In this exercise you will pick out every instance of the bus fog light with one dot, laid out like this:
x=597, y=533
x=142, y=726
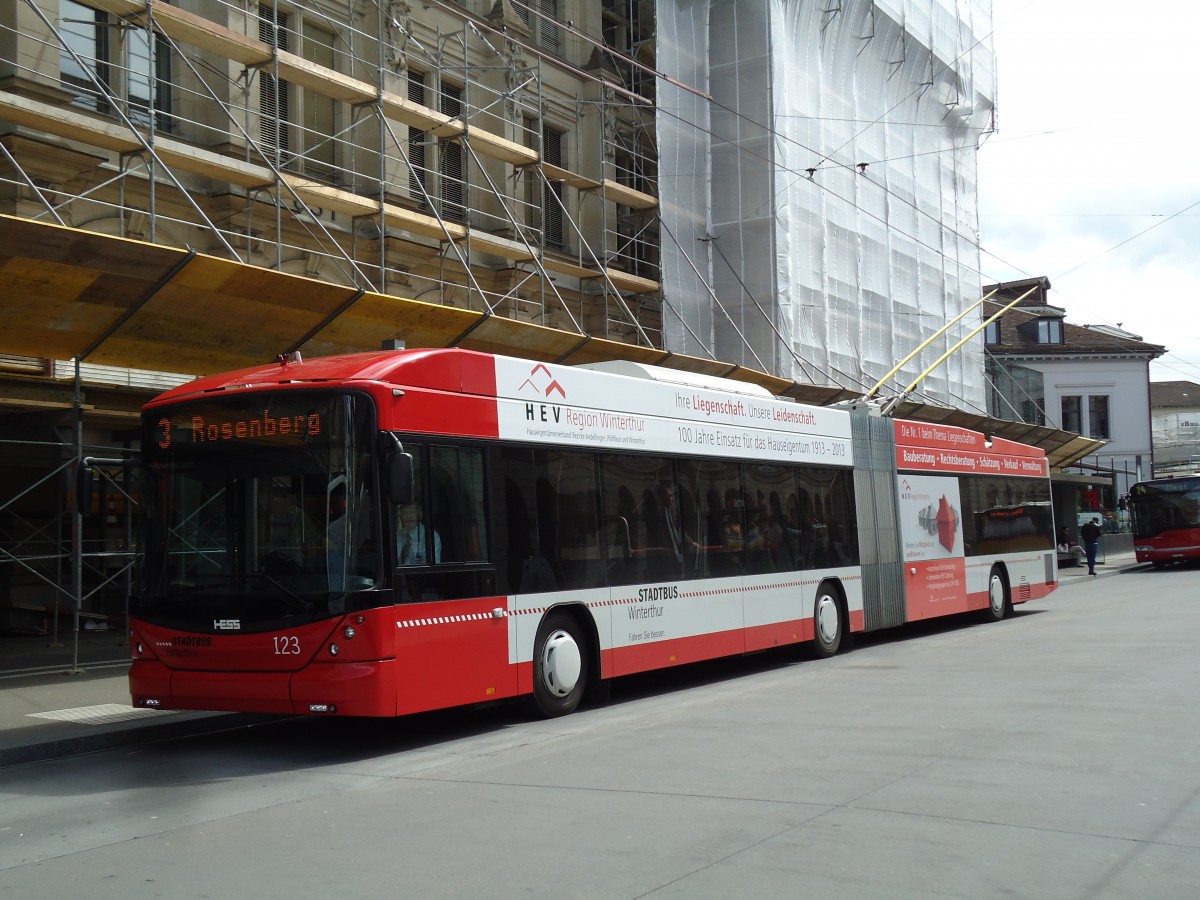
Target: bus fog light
x=151, y=703
x=349, y=632
x=334, y=650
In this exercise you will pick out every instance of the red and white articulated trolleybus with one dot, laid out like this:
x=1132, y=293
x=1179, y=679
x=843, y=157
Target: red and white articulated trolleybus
x=385, y=533
x=1166, y=519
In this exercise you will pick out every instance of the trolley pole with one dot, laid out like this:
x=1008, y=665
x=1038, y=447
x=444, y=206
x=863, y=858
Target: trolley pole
x=77, y=523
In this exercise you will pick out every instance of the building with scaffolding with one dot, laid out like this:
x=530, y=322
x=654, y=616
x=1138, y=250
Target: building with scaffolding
x=776, y=190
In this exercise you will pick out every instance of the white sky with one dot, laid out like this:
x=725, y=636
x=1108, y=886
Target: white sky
x=1097, y=140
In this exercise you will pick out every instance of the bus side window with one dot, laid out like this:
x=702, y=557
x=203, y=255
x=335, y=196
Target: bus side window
x=458, y=503
x=567, y=503
x=415, y=542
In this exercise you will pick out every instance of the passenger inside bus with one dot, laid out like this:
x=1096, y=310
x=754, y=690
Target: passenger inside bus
x=414, y=541
x=666, y=539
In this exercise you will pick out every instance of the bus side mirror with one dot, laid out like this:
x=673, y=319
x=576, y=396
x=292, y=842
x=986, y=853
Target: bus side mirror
x=397, y=469
x=400, y=477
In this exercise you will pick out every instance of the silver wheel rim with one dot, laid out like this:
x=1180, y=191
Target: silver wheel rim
x=996, y=594
x=828, y=617
x=562, y=663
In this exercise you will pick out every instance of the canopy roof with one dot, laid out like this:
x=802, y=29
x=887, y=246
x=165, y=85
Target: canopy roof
x=66, y=293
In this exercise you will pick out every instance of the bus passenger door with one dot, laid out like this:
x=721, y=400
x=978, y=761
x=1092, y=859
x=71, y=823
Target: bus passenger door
x=452, y=645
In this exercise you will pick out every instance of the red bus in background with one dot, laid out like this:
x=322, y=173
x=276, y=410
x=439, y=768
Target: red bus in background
x=1166, y=519
x=385, y=533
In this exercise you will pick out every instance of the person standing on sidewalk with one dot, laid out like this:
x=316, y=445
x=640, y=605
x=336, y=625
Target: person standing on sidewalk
x=1090, y=533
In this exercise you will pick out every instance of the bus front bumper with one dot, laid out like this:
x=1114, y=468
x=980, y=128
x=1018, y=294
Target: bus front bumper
x=350, y=689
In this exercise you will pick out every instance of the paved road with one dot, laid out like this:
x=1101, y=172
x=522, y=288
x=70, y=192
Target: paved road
x=1051, y=756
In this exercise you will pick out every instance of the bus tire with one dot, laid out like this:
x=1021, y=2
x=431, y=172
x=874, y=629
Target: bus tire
x=999, y=602
x=829, y=620
x=560, y=665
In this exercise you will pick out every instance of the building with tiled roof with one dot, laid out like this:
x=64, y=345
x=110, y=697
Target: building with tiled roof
x=1093, y=380
x=1175, y=421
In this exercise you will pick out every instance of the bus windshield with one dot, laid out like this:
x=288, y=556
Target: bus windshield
x=259, y=510
x=1161, y=506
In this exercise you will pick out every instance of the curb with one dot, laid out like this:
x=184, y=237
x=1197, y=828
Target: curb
x=1084, y=578
x=78, y=743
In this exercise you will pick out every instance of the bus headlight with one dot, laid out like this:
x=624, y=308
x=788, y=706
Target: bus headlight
x=334, y=650
x=349, y=632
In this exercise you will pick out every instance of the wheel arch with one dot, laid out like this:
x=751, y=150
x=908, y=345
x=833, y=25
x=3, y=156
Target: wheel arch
x=591, y=633
x=833, y=587
x=1000, y=568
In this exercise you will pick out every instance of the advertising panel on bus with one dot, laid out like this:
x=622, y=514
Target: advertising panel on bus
x=924, y=446
x=931, y=536
x=563, y=404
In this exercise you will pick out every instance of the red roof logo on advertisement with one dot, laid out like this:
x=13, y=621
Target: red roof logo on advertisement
x=543, y=382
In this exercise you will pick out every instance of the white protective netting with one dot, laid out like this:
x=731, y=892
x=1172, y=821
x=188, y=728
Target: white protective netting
x=833, y=278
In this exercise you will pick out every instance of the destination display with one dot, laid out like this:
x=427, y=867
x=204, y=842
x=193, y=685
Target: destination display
x=277, y=419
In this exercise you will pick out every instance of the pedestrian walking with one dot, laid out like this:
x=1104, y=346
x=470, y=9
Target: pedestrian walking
x=1090, y=533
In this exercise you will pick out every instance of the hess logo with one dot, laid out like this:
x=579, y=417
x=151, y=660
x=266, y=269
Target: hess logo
x=227, y=624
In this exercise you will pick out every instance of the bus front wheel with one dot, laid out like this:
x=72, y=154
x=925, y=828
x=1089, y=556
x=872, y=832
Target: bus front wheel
x=998, y=603
x=829, y=622
x=559, y=666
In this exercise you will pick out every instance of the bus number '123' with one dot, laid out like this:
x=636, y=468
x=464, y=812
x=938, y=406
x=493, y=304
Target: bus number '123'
x=287, y=645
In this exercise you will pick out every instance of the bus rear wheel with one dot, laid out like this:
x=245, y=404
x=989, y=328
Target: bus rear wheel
x=829, y=623
x=559, y=666
x=998, y=603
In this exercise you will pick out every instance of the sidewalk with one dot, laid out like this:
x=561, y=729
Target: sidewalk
x=52, y=714
x=1114, y=564
x=61, y=699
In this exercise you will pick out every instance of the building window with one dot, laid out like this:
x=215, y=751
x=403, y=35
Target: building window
x=284, y=108
x=991, y=333
x=148, y=75
x=1072, y=414
x=418, y=185
x=1049, y=331
x=542, y=18
x=274, y=109
x=317, y=110
x=101, y=62
x=1018, y=392
x=1098, y=417
x=451, y=168
x=554, y=153
x=545, y=206
x=85, y=31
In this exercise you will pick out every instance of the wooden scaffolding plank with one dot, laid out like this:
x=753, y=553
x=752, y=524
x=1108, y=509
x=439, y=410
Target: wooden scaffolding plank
x=633, y=283
x=496, y=147
x=415, y=115
x=557, y=173
x=419, y=223
x=217, y=166
x=66, y=123
x=192, y=29
x=627, y=196
x=299, y=70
